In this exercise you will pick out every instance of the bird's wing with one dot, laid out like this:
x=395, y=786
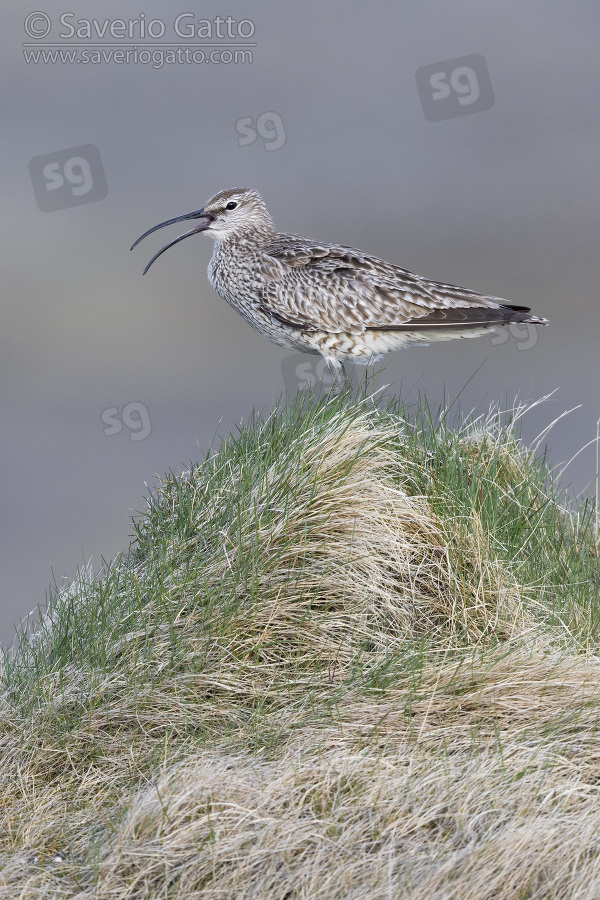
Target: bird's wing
x=339, y=289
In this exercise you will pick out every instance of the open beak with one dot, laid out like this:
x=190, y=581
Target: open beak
x=198, y=214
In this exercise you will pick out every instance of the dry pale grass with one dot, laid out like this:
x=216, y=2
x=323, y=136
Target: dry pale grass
x=338, y=824
x=352, y=556
x=325, y=691
x=487, y=787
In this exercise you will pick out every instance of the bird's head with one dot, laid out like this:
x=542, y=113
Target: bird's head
x=229, y=214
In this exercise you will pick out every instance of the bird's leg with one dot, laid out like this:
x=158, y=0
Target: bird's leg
x=338, y=372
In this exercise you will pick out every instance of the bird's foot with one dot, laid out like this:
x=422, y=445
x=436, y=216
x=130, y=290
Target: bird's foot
x=341, y=382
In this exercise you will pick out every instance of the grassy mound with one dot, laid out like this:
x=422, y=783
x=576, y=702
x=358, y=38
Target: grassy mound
x=353, y=653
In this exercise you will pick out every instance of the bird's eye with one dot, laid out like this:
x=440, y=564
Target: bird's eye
x=231, y=205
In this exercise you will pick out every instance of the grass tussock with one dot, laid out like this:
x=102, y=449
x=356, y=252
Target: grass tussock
x=352, y=653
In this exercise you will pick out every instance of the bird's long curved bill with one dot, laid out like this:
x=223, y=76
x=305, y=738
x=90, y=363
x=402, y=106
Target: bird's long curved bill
x=197, y=214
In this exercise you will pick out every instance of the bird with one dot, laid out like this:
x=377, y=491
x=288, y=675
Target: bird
x=329, y=299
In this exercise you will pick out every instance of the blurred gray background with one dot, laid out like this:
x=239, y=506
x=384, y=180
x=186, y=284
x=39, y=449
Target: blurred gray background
x=109, y=379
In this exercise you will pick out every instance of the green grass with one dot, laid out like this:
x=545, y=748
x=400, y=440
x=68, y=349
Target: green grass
x=352, y=652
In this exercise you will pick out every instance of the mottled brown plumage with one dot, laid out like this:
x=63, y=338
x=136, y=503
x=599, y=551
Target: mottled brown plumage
x=326, y=298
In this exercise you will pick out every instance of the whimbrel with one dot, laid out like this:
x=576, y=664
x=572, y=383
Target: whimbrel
x=326, y=298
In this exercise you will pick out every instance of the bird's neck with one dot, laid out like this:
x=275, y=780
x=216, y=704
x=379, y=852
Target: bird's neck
x=250, y=239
